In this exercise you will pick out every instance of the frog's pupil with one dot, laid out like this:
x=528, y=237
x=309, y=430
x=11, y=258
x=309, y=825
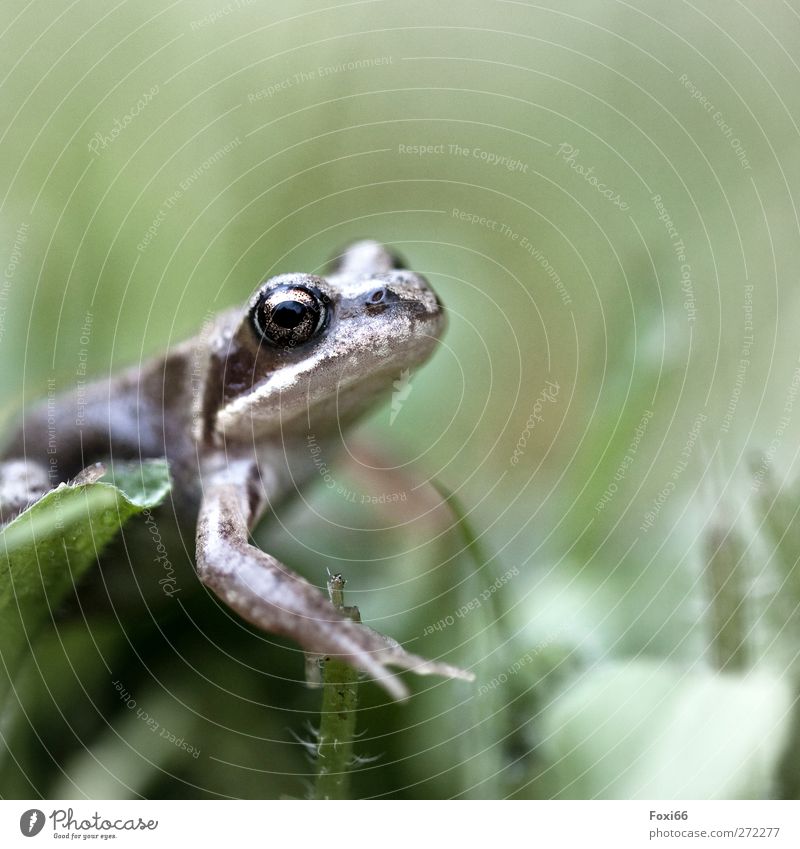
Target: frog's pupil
x=288, y=314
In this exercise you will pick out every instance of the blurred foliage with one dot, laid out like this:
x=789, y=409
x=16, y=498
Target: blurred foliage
x=648, y=644
x=45, y=550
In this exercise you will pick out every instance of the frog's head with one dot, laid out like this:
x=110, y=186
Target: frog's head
x=315, y=352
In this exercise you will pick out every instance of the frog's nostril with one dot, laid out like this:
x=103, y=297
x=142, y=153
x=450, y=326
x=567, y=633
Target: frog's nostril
x=380, y=298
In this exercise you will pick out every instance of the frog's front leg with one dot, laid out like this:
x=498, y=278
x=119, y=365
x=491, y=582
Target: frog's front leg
x=264, y=592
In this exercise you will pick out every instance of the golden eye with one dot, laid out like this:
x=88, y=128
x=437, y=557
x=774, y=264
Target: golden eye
x=289, y=315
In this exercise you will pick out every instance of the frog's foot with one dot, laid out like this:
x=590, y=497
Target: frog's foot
x=388, y=652
x=22, y=482
x=266, y=593
x=91, y=474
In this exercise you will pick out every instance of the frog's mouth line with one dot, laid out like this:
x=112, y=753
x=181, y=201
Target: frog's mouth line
x=378, y=328
x=335, y=388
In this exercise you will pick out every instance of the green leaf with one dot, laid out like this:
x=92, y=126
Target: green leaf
x=46, y=549
x=648, y=730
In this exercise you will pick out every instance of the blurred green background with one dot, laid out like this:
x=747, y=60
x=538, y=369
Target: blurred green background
x=605, y=200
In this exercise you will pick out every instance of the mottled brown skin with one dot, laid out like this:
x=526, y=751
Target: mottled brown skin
x=232, y=410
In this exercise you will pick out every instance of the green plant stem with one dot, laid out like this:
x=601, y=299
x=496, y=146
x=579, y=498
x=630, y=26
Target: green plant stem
x=338, y=719
x=726, y=566
x=482, y=761
x=474, y=549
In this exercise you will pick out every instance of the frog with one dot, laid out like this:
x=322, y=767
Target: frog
x=232, y=410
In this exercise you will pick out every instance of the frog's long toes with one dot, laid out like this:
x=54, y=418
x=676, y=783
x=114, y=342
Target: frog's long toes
x=334, y=636
x=421, y=666
x=396, y=655
x=375, y=653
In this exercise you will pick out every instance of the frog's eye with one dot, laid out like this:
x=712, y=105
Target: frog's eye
x=289, y=315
